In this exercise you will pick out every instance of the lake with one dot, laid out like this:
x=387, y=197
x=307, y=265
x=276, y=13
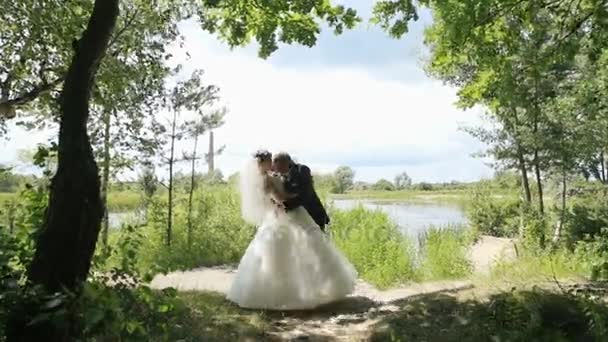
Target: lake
x=412, y=218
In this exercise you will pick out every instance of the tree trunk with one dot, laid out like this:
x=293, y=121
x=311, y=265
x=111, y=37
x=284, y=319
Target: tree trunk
x=105, y=179
x=66, y=242
x=539, y=183
x=171, y=162
x=603, y=168
x=524, y=175
x=191, y=194
x=211, y=156
x=67, y=239
x=559, y=227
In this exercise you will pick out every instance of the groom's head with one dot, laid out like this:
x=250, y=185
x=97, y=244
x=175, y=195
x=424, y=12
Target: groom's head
x=281, y=162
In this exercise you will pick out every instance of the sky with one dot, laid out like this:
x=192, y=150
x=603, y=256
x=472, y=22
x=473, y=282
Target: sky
x=361, y=99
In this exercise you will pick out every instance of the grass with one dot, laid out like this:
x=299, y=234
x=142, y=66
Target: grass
x=381, y=254
x=530, y=268
x=121, y=201
x=210, y=317
x=385, y=257
x=449, y=196
x=444, y=254
x=7, y=196
x=118, y=201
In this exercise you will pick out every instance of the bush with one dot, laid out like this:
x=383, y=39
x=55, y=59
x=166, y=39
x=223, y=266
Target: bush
x=444, y=254
x=423, y=186
x=379, y=251
x=384, y=185
x=593, y=254
x=586, y=218
x=493, y=216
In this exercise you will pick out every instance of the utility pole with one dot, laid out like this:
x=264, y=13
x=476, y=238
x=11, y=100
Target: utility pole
x=211, y=155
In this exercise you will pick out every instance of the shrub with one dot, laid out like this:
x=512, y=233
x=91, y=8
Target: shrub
x=593, y=254
x=384, y=185
x=586, y=218
x=423, y=186
x=493, y=216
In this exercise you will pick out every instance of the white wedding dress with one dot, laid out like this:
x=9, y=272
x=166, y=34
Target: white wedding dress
x=290, y=264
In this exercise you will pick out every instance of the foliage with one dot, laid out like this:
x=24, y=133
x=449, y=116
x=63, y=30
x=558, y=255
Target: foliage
x=537, y=68
x=379, y=251
x=424, y=186
x=343, y=179
x=383, y=185
x=148, y=182
x=11, y=182
x=324, y=182
x=593, y=254
x=220, y=236
x=403, y=181
x=586, y=217
x=493, y=216
x=271, y=23
x=444, y=253
x=43, y=54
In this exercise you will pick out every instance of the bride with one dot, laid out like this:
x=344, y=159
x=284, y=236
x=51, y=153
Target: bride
x=289, y=265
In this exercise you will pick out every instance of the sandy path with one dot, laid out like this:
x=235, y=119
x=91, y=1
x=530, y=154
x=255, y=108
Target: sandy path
x=489, y=250
x=349, y=320
x=482, y=255
x=219, y=279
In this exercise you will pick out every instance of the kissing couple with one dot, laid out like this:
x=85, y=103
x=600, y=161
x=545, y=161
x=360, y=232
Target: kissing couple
x=290, y=264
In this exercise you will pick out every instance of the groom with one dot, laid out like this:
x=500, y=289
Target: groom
x=298, y=180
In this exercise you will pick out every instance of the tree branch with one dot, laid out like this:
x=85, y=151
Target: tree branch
x=577, y=25
x=32, y=94
x=128, y=24
x=45, y=86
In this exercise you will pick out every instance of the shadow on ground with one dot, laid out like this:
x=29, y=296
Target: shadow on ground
x=574, y=313
x=566, y=314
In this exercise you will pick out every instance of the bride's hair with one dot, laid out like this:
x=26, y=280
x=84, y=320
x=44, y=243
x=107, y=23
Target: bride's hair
x=262, y=156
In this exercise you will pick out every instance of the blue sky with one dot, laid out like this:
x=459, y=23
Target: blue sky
x=360, y=99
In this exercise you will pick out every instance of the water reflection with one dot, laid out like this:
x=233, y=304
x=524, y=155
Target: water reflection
x=412, y=218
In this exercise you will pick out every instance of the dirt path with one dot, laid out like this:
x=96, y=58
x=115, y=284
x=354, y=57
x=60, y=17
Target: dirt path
x=489, y=250
x=351, y=319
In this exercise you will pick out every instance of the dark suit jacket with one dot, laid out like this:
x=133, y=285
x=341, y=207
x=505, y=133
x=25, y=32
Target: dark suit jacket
x=299, y=182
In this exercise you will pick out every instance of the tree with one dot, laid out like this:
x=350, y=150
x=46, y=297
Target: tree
x=200, y=100
x=67, y=239
x=384, y=185
x=148, y=182
x=36, y=51
x=128, y=81
x=403, y=181
x=344, y=178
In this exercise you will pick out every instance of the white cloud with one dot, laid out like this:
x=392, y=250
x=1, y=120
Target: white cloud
x=327, y=116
